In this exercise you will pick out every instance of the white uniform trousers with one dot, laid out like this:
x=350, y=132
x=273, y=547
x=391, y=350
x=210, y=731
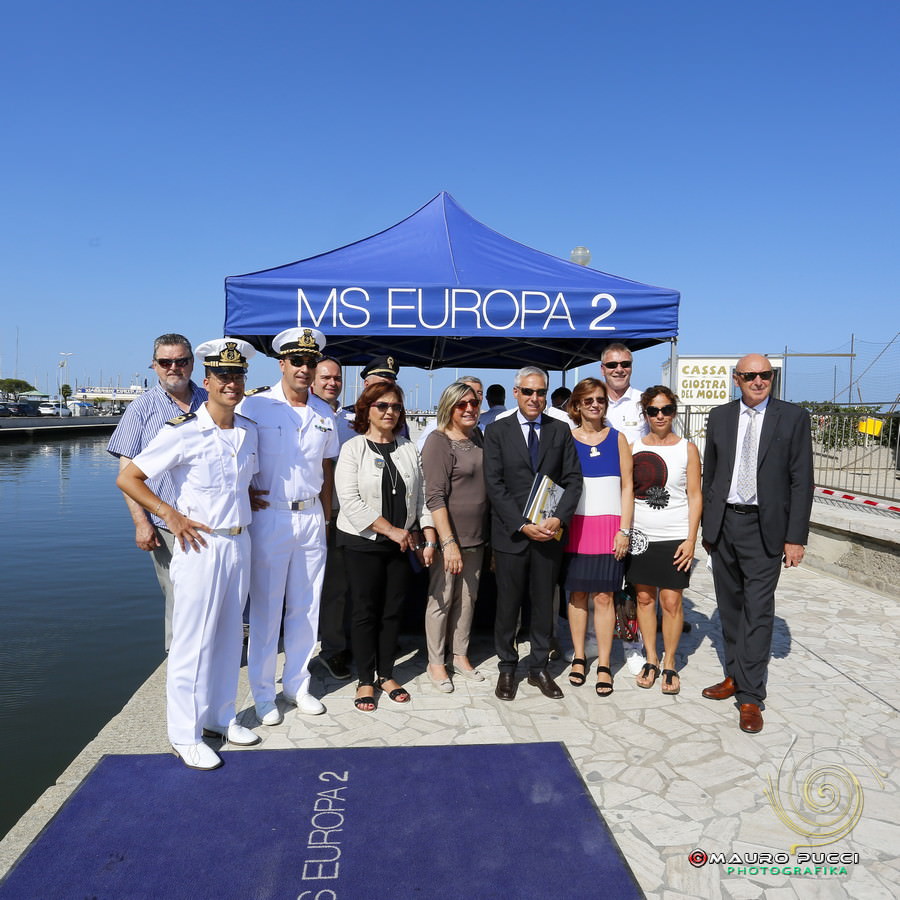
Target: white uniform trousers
x=207, y=635
x=287, y=572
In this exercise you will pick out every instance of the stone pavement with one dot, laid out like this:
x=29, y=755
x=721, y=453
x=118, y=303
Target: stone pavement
x=671, y=775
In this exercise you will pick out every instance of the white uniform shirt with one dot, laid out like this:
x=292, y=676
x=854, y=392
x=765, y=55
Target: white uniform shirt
x=293, y=442
x=627, y=415
x=211, y=468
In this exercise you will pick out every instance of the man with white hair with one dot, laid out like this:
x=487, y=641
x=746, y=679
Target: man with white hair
x=298, y=441
x=527, y=555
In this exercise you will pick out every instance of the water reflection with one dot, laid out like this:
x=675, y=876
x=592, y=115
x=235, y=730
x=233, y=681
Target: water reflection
x=81, y=610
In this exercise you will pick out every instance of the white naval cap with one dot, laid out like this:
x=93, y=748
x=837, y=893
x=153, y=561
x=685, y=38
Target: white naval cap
x=225, y=353
x=304, y=341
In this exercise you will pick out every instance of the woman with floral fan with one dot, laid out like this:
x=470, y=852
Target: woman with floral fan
x=667, y=507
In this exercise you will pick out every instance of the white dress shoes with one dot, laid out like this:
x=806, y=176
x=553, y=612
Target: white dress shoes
x=235, y=734
x=307, y=704
x=268, y=713
x=197, y=756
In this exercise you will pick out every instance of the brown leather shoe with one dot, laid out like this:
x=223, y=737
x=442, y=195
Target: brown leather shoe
x=506, y=686
x=721, y=691
x=751, y=718
x=549, y=688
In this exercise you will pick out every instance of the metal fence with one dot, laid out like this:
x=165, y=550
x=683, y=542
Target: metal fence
x=857, y=455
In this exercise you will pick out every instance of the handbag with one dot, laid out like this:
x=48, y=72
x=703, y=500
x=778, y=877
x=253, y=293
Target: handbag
x=625, y=602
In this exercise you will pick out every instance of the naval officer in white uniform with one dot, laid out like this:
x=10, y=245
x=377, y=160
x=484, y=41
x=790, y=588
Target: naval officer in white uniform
x=211, y=455
x=298, y=441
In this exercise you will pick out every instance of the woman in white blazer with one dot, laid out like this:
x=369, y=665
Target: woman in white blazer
x=382, y=515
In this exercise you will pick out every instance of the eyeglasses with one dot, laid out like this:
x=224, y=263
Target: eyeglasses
x=384, y=407
x=594, y=401
x=180, y=362
x=541, y=392
x=466, y=404
x=667, y=410
x=617, y=364
x=750, y=376
x=298, y=362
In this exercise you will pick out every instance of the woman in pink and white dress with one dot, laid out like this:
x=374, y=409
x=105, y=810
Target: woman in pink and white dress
x=667, y=507
x=598, y=532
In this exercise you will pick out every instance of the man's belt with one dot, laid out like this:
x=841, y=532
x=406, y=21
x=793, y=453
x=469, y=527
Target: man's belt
x=743, y=508
x=294, y=505
x=228, y=532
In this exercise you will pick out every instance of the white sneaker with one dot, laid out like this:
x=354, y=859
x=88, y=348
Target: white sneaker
x=307, y=704
x=197, y=756
x=268, y=713
x=634, y=656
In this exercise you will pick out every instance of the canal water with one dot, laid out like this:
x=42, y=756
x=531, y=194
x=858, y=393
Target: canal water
x=81, y=614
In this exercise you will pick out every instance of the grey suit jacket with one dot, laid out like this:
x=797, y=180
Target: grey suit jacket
x=508, y=476
x=784, y=478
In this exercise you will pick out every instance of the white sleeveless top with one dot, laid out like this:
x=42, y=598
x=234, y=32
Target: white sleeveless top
x=660, y=490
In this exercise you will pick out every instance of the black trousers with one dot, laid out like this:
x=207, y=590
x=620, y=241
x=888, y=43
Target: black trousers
x=378, y=582
x=745, y=577
x=333, y=605
x=526, y=581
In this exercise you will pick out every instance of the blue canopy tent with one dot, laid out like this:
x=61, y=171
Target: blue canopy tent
x=441, y=289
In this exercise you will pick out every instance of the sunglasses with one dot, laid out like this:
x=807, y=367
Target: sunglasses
x=594, y=401
x=224, y=376
x=527, y=392
x=617, y=364
x=466, y=404
x=667, y=410
x=298, y=362
x=382, y=406
x=750, y=376
x=180, y=362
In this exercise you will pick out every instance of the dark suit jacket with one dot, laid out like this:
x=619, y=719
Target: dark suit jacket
x=784, y=479
x=508, y=476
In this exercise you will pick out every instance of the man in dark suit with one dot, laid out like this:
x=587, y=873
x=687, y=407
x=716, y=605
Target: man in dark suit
x=527, y=556
x=757, y=497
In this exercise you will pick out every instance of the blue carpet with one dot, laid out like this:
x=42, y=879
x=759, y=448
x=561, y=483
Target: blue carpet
x=499, y=821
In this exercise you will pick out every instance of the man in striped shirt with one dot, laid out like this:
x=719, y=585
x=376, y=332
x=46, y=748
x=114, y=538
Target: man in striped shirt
x=174, y=395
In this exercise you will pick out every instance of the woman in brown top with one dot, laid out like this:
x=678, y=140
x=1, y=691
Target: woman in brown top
x=456, y=498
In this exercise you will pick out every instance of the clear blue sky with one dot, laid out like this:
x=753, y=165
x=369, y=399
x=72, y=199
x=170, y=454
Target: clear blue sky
x=744, y=154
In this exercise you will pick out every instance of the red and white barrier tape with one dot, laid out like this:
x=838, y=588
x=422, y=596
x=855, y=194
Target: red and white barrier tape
x=864, y=501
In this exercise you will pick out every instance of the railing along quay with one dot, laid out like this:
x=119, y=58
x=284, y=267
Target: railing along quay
x=851, y=453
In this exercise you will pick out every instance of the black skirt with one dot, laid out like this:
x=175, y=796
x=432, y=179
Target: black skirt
x=655, y=567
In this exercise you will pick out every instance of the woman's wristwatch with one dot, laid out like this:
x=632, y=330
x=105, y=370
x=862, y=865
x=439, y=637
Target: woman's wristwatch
x=432, y=544
x=625, y=531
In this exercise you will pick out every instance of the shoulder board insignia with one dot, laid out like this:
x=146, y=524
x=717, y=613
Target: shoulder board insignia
x=257, y=390
x=179, y=420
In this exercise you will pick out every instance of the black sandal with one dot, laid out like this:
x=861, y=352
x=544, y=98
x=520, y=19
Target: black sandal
x=604, y=684
x=365, y=704
x=577, y=679
x=645, y=673
x=667, y=676
x=398, y=694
